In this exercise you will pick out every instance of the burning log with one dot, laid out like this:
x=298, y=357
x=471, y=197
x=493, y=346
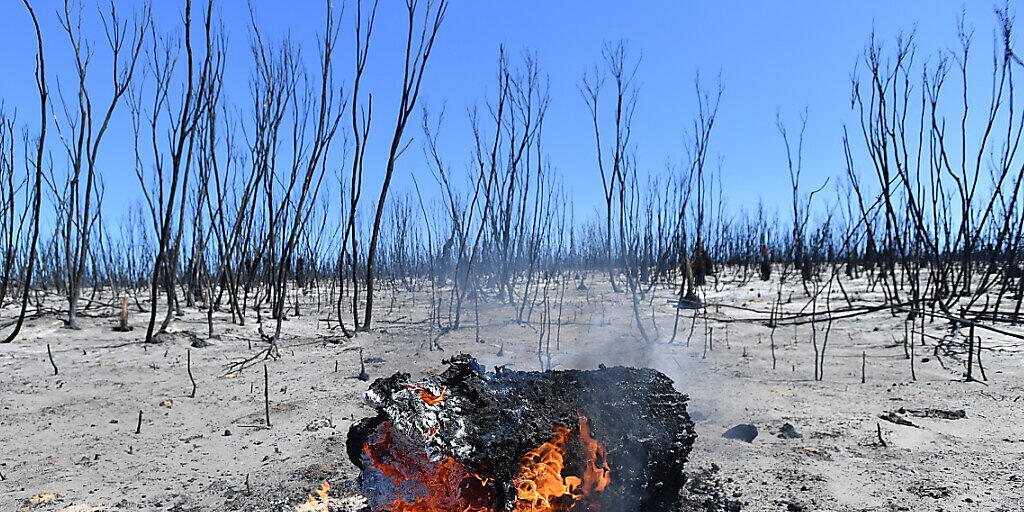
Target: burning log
x=610, y=439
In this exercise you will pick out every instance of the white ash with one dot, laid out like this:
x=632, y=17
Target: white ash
x=440, y=427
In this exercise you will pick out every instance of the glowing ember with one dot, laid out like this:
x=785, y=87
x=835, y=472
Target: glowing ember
x=444, y=486
x=429, y=397
x=321, y=503
x=542, y=484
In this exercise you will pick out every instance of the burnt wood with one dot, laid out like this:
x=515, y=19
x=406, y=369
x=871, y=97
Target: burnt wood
x=634, y=413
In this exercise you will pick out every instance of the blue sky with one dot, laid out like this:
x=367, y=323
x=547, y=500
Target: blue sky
x=772, y=56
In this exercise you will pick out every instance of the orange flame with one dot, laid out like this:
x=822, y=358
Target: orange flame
x=429, y=397
x=540, y=485
x=322, y=503
x=540, y=479
x=596, y=473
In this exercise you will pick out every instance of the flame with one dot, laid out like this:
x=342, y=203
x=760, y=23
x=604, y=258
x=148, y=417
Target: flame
x=540, y=479
x=596, y=473
x=322, y=503
x=432, y=399
x=546, y=481
x=429, y=397
x=540, y=485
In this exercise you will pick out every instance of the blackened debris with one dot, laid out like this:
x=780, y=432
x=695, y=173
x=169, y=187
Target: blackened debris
x=743, y=431
x=788, y=432
x=941, y=414
x=893, y=417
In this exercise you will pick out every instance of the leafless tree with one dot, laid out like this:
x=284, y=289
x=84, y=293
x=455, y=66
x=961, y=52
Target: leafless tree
x=420, y=37
x=172, y=130
x=37, y=170
x=81, y=130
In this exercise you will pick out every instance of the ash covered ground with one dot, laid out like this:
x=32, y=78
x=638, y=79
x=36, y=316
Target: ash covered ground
x=892, y=443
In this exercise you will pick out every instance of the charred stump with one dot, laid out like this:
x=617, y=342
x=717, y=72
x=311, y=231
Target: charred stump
x=611, y=439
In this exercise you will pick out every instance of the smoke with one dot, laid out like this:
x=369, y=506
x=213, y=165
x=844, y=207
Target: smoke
x=593, y=325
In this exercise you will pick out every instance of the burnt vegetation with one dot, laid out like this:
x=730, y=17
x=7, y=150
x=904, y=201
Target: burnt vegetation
x=252, y=209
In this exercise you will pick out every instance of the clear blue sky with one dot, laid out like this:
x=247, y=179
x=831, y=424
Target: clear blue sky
x=772, y=55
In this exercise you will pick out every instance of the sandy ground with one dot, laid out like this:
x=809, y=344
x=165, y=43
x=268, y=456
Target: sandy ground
x=69, y=440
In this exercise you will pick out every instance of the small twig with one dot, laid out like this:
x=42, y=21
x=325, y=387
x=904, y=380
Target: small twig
x=970, y=354
x=880, y=439
x=238, y=366
x=981, y=366
x=138, y=429
x=913, y=374
x=190, y=377
x=863, y=366
x=49, y=353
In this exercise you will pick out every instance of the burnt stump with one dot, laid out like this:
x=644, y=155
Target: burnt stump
x=459, y=440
